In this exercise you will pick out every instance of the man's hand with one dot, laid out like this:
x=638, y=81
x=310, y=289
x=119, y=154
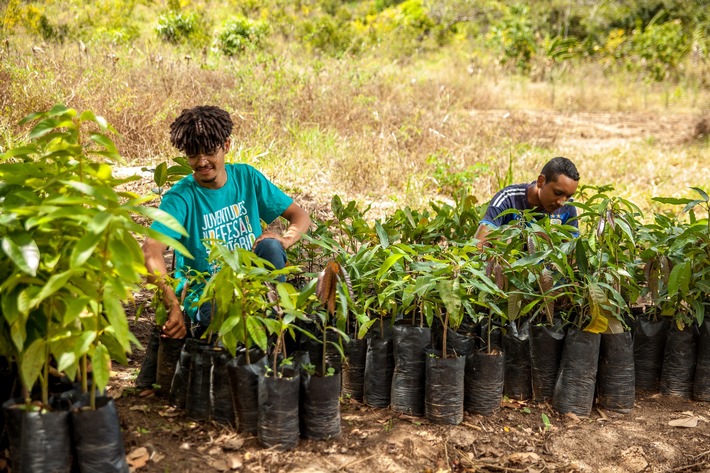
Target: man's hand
x=273, y=235
x=175, y=325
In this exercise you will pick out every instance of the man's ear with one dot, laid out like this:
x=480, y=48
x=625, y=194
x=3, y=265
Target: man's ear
x=227, y=145
x=540, y=181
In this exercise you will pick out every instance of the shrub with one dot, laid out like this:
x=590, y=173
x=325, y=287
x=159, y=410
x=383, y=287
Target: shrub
x=240, y=33
x=514, y=37
x=328, y=35
x=177, y=27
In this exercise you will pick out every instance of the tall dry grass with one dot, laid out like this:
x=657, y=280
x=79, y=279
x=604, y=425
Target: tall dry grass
x=370, y=128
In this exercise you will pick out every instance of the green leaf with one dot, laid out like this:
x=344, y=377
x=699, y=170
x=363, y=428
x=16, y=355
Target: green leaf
x=104, y=141
x=83, y=249
x=160, y=175
x=101, y=367
x=382, y=235
x=256, y=332
x=23, y=251
x=163, y=217
x=61, y=109
x=117, y=319
x=99, y=223
x=389, y=262
x=32, y=361
x=679, y=279
x=53, y=284
x=42, y=128
x=170, y=242
x=671, y=200
x=702, y=193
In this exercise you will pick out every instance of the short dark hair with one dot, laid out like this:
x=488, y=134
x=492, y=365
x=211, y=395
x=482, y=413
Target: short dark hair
x=557, y=166
x=202, y=129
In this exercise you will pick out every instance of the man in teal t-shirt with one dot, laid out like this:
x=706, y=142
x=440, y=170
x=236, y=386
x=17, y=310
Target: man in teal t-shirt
x=218, y=201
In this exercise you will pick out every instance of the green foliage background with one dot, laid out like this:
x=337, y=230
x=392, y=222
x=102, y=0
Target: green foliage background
x=370, y=99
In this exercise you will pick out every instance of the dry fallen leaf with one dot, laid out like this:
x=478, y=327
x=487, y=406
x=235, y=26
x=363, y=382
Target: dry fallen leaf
x=573, y=417
x=686, y=422
x=234, y=462
x=219, y=465
x=138, y=457
x=524, y=457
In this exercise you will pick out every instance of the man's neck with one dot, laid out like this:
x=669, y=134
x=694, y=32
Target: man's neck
x=532, y=195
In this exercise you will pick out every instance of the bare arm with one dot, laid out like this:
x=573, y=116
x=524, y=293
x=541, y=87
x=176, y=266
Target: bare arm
x=482, y=235
x=299, y=222
x=153, y=252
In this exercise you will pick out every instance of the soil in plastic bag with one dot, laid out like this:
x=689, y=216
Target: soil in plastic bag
x=546, y=346
x=701, y=382
x=244, y=381
x=379, y=367
x=483, y=382
x=577, y=377
x=649, y=346
x=147, y=376
x=410, y=343
x=197, y=403
x=444, y=389
x=97, y=437
x=616, y=386
x=168, y=358
x=220, y=390
x=181, y=379
x=320, y=406
x=39, y=441
x=354, y=368
x=678, y=368
x=278, y=424
x=516, y=345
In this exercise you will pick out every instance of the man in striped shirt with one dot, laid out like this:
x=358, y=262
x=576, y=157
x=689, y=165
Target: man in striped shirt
x=549, y=195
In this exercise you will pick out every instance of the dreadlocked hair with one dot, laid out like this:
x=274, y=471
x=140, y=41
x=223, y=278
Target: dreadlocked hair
x=201, y=129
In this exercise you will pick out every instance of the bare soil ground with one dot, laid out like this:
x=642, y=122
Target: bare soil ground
x=513, y=440
x=516, y=439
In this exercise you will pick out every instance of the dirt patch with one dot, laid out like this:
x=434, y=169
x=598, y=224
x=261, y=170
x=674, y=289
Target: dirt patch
x=514, y=439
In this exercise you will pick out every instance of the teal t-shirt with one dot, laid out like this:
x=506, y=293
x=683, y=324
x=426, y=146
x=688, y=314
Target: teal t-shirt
x=231, y=214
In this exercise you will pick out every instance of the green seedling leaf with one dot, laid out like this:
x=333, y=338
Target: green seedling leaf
x=160, y=175
x=101, y=366
x=54, y=284
x=389, y=262
x=546, y=421
x=23, y=251
x=32, y=361
x=702, y=193
x=117, y=319
x=83, y=250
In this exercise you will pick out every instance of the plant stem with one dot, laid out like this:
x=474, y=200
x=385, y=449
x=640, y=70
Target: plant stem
x=325, y=348
x=443, y=338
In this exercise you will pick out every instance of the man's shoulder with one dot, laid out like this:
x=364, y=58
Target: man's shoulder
x=186, y=184
x=513, y=195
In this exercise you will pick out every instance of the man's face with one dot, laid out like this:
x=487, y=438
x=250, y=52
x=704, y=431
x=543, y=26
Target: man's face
x=208, y=169
x=555, y=194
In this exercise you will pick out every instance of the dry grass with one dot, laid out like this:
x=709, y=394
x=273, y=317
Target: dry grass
x=364, y=127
